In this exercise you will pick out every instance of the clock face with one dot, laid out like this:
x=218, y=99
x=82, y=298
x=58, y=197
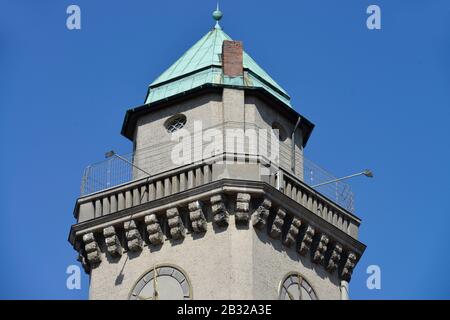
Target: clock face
x=169, y=284
x=295, y=287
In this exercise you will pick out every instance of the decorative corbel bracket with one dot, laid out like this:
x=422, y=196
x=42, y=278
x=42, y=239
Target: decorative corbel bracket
x=134, y=238
x=197, y=217
x=155, y=234
x=220, y=214
x=177, y=230
x=112, y=242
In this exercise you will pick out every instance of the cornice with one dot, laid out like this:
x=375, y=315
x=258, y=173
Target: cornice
x=250, y=202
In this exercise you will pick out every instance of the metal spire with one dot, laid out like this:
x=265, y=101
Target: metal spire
x=217, y=15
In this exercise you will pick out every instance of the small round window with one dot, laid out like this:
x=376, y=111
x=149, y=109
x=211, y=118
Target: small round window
x=176, y=123
x=279, y=131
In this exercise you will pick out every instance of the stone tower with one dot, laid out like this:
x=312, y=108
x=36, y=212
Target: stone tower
x=215, y=206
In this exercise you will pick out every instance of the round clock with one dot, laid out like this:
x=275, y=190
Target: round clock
x=162, y=283
x=295, y=287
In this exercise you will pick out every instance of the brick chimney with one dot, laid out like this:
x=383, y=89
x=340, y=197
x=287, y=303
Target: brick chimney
x=232, y=58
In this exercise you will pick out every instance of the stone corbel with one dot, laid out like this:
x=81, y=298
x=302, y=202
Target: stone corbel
x=155, y=234
x=275, y=230
x=92, y=249
x=112, y=242
x=292, y=234
x=347, y=268
x=84, y=263
x=197, y=217
x=79, y=247
x=334, y=258
x=134, y=238
x=307, y=239
x=259, y=217
x=242, y=215
x=176, y=226
x=319, y=253
x=220, y=214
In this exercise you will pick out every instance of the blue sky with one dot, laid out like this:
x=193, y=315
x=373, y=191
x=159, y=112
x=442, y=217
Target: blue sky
x=379, y=99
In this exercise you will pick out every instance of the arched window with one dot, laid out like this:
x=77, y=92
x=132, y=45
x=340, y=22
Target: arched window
x=295, y=287
x=162, y=282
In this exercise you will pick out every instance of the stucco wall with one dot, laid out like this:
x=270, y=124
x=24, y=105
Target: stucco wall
x=263, y=115
x=231, y=263
x=231, y=110
x=154, y=143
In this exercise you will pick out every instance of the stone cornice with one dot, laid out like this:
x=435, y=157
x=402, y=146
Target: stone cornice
x=311, y=234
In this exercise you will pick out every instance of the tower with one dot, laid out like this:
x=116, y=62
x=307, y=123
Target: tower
x=213, y=203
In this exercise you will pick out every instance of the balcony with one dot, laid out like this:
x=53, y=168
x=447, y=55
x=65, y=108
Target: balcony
x=114, y=185
x=114, y=172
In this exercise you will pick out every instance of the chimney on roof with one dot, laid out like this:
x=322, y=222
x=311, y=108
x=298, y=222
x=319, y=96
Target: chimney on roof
x=232, y=58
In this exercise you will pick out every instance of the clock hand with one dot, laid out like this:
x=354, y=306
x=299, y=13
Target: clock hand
x=299, y=286
x=155, y=284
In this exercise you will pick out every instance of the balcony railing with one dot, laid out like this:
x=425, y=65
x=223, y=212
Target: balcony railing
x=114, y=172
x=106, y=174
x=339, y=192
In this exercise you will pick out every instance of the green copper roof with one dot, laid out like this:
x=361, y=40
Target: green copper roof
x=202, y=65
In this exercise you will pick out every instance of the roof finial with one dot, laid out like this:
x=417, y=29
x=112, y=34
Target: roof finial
x=217, y=15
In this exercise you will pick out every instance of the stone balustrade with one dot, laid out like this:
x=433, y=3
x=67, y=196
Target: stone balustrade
x=187, y=178
x=141, y=191
x=293, y=215
x=318, y=204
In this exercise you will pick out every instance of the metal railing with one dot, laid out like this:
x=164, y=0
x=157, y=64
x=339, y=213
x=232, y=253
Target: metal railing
x=114, y=171
x=339, y=192
x=106, y=174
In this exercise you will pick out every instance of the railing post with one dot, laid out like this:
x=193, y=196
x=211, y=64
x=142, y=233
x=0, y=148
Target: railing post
x=84, y=180
x=280, y=180
x=108, y=173
x=337, y=193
